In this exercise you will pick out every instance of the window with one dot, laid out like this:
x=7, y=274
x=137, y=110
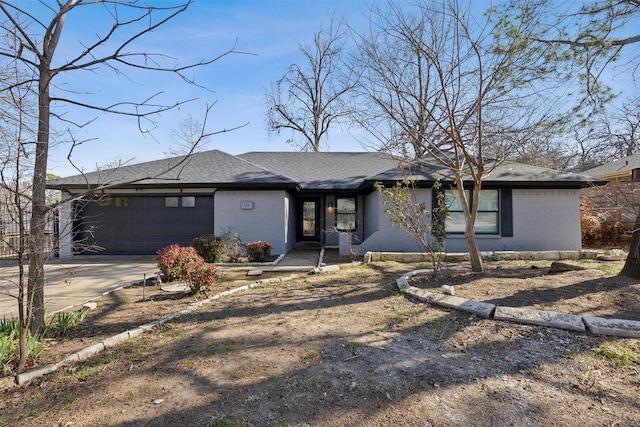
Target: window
x=345, y=213
x=104, y=201
x=188, y=202
x=487, y=221
x=171, y=202
x=122, y=202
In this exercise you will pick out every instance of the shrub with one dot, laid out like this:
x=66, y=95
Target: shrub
x=209, y=247
x=200, y=276
x=173, y=259
x=259, y=251
x=232, y=247
x=600, y=227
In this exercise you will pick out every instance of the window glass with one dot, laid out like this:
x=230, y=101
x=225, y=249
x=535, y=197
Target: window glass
x=488, y=201
x=188, y=202
x=452, y=199
x=171, y=202
x=487, y=220
x=105, y=201
x=346, y=213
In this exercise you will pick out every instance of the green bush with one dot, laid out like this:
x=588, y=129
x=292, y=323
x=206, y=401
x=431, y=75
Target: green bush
x=259, y=251
x=173, y=260
x=232, y=247
x=209, y=247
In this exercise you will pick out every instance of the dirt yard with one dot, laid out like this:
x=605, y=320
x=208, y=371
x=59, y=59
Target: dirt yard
x=347, y=349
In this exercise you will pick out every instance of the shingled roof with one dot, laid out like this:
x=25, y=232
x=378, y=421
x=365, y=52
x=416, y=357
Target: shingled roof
x=324, y=170
x=207, y=168
x=514, y=175
x=305, y=171
x=619, y=169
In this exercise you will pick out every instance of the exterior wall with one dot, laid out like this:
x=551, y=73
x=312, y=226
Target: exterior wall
x=290, y=221
x=269, y=218
x=380, y=234
x=65, y=220
x=328, y=217
x=543, y=220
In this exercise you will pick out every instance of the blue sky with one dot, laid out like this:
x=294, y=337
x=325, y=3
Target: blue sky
x=270, y=30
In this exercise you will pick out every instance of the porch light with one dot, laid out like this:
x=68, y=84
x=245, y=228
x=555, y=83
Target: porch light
x=330, y=208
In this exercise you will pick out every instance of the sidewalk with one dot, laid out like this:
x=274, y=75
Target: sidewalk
x=75, y=281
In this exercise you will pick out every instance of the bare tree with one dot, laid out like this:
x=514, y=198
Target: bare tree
x=35, y=37
x=308, y=98
x=187, y=136
x=438, y=84
x=621, y=135
x=16, y=129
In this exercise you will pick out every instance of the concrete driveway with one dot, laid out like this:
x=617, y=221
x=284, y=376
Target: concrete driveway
x=75, y=281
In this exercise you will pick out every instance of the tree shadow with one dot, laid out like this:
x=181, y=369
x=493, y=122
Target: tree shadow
x=225, y=363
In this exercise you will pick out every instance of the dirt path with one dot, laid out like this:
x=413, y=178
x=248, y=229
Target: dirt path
x=342, y=349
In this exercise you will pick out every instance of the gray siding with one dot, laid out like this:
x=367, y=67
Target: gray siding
x=266, y=220
x=543, y=220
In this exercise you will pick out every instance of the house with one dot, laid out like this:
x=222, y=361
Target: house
x=291, y=197
x=622, y=193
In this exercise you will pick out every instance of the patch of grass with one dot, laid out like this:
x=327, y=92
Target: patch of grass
x=419, y=384
x=217, y=348
x=33, y=399
x=69, y=399
x=80, y=374
x=223, y=421
x=619, y=354
x=400, y=316
x=3, y=421
x=354, y=345
x=377, y=388
x=298, y=387
x=311, y=355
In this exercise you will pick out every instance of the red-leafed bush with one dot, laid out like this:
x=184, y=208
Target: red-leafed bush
x=259, y=251
x=173, y=260
x=201, y=276
x=600, y=227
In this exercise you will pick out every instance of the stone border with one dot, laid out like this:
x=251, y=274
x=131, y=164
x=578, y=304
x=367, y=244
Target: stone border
x=551, y=319
x=114, y=340
x=486, y=255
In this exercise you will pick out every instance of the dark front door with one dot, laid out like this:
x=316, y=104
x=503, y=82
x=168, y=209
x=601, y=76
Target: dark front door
x=309, y=219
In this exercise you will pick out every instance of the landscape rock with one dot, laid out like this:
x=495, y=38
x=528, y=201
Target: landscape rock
x=612, y=255
x=562, y=267
x=540, y=317
x=616, y=327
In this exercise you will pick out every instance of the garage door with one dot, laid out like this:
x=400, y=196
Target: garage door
x=142, y=225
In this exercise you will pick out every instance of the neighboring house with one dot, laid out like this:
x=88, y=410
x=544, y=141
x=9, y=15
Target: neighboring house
x=291, y=197
x=622, y=193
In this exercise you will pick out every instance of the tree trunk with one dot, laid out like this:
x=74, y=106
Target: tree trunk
x=474, y=253
x=469, y=225
x=35, y=297
x=632, y=265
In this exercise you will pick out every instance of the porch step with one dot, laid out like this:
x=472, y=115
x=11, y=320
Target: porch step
x=254, y=272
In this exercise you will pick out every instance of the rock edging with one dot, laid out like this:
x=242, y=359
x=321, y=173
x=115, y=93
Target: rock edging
x=552, y=319
x=114, y=340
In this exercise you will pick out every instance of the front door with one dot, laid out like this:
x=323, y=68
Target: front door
x=309, y=219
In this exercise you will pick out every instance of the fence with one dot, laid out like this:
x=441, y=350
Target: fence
x=10, y=233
